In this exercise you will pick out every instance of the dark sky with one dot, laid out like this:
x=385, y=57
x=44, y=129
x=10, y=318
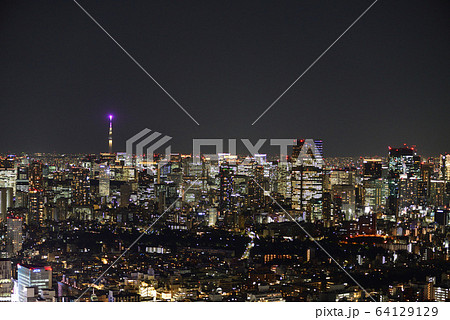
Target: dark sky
x=386, y=82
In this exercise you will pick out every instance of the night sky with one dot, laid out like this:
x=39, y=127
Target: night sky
x=386, y=82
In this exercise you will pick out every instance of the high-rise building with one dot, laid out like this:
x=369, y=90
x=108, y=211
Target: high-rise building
x=5, y=280
x=6, y=201
x=80, y=187
x=347, y=196
x=32, y=278
x=375, y=193
x=14, y=235
x=255, y=192
x=437, y=193
x=372, y=169
x=284, y=179
x=8, y=179
x=426, y=175
x=307, y=178
x=22, y=181
x=444, y=173
x=36, y=194
x=225, y=192
x=342, y=177
x=408, y=192
x=402, y=162
x=104, y=181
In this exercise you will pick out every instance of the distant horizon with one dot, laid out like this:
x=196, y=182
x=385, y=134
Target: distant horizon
x=242, y=154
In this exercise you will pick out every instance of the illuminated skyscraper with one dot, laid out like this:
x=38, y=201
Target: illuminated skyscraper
x=284, y=179
x=104, y=181
x=5, y=280
x=36, y=194
x=6, y=201
x=426, y=174
x=372, y=169
x=255, y=185
x=80, y=187
x=375, y=192
x=14, y=235
x=225, y=192
x=347, y=199
x=8, y=178
x=31, y=278
x=307, y=178
x=403, y=162
x=408, y=191
x=445, y=167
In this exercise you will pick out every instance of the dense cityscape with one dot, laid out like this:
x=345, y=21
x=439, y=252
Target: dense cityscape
x=116, y=227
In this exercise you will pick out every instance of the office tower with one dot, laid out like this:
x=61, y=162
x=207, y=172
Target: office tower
x=6, y=201
x=347, y=196
x=80, y=187
x=22, y=180
x=408, y=191
x=437, y=193
x=104, y=181
x=255, y=194
x=372, y=169
x=110, y=134
x=284, y=179
x=402, y=162
x=8, y=179
x=342, y=177
x=375, y=193
x=14, y=235
x=5, y=280
x=32, y=278
x=225, y=192
x=35, y=176
x=307, y=178
x=327, y=210
x=35, y=194
x=444, y=163
x=298, y=148
x=426, y=174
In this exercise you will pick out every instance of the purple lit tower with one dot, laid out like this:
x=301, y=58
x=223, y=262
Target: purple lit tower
x=110, y=133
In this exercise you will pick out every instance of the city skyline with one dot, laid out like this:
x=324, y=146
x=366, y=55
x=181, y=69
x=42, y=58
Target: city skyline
x=372, y=89
x=198, y=151
x=103, y=227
